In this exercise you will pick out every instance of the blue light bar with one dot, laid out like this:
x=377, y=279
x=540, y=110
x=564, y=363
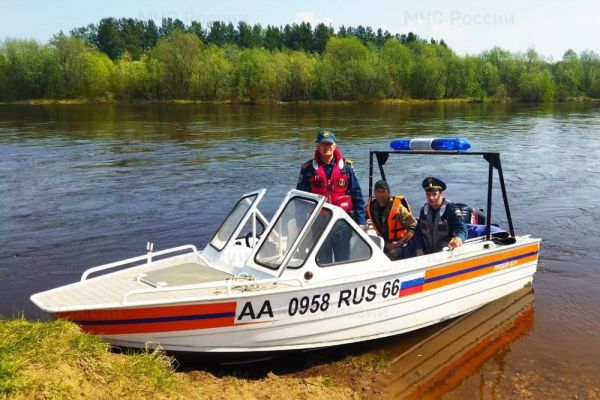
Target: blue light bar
x=431, y=144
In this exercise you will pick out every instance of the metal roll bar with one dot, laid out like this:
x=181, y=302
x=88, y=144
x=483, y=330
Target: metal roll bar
x=492, y=158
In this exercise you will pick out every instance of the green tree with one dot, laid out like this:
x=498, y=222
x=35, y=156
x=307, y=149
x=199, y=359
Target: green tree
x=567, y=74
x=278, y=77
x=302, y=75
x=197, y=29
x=153, y=85
x=252, y=73
x=509, y=68
x=230, y=34
x=4, y=88
x=83, y=71
x=131, y=79
x=321, y=36
x=305, y=36
x=483, y=79
x=590, y=77
x=29, y=70
x=257, y=35
x=428, y=79
x=537, y=87
x=71, y=56
x=374, y=84
x=150, y=36
x=170, y=25
x=215, y=75
x=398, y=62
x=178, y=60
x=87, y=33
x=245, y=38
x=379, y=39
x=290, y=37
x=97, y=69
x=457, y=78
x=272, y=38
x=114, y=37
x=132, y=36
x=217, y=34
x=109, y=38
x=343, y=71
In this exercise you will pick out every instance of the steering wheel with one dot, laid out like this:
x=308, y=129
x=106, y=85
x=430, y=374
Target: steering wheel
x=248, y=236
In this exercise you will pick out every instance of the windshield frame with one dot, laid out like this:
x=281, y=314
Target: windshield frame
x=281, y=267
x=241, y=221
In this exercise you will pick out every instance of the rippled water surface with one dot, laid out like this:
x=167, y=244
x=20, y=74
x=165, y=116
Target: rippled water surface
x=85, y=185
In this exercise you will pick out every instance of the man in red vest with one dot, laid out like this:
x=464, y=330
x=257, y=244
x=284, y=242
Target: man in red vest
x=329, y=174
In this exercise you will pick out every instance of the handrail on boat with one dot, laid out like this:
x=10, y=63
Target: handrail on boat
x=89, y=271
x=209, y=285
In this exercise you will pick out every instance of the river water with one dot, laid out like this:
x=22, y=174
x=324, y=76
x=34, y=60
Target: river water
x=82, y=185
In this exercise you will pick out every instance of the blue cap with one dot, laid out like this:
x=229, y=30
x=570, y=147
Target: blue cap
x=325, y=136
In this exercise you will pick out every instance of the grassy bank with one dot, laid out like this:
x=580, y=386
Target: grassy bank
x=55, y=360
x=105, y=100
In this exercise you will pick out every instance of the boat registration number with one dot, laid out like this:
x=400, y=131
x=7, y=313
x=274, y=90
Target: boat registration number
x=322, y=302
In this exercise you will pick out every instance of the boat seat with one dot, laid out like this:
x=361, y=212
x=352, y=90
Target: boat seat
x=183, y=274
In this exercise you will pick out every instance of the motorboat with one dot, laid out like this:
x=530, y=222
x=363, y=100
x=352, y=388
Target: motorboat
x=263, y=285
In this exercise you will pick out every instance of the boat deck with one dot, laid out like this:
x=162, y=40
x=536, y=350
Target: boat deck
x=156, y=277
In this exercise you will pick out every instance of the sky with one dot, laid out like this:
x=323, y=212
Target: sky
x=468, y=27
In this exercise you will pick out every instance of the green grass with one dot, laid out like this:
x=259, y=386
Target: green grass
x=55, y=360
x=369, y=363
x=327, y=380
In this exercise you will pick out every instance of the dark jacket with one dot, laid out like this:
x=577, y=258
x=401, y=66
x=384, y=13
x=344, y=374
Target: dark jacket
x=435, y=228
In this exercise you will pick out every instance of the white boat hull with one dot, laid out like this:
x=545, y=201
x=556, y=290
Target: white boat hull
x=261, y=327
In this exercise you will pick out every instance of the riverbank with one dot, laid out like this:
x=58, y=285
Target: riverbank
x=56, y=360
x=258, y=102
x=577, y=99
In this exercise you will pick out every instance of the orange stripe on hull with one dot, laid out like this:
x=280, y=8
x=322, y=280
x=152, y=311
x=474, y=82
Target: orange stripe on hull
x=479, y=261
x=497, y=260
x=147, y=312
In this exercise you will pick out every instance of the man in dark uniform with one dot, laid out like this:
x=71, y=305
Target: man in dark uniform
x=329, y=174
x=438, y=224
x=392, y=219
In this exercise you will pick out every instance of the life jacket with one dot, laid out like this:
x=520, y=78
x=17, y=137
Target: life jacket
x=395, y=229
x=436, y=232
x=335, y=187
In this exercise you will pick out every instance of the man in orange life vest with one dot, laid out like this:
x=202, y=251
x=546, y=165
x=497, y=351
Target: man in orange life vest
x=392, y=219
x=329, y=174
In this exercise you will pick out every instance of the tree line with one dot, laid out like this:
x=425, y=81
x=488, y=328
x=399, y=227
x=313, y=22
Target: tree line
x=128, y=59
x=117, y=36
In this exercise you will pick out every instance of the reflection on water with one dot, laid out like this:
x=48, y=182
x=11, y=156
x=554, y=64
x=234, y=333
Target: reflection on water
x=445, y=358
x=90, y=184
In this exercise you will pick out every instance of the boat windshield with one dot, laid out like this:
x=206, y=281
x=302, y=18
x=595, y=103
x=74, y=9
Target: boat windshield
x=284, y=232
x=232, y=221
